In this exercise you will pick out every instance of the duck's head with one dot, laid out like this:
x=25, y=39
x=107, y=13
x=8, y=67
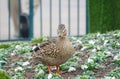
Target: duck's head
x=61, y=31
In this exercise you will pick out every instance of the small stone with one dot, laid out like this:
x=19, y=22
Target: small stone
x=71, y=69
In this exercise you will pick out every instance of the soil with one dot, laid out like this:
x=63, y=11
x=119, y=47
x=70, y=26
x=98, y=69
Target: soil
x=68, y=75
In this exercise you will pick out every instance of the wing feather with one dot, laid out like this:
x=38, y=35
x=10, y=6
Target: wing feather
x=47, y=49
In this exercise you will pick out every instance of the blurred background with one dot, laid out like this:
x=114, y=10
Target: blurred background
x=26, y=19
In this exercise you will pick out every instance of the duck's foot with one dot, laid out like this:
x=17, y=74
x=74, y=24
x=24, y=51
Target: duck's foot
x=57, y=70
x=49, y=70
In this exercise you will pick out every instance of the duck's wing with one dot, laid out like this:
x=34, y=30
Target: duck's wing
x=47, y=49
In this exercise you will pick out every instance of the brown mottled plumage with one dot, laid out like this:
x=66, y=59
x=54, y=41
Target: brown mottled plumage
x=55, y=52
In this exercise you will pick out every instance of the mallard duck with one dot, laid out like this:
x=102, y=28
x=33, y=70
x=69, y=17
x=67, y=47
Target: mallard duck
x=54, y=52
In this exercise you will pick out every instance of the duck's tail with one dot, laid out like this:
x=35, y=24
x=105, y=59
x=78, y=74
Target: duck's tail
x=35, y=48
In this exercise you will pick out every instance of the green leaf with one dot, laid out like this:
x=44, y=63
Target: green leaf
x=56, y=76
x=114, y=73
x=83, y=77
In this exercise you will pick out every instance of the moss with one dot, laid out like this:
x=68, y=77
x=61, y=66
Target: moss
x=39, y=40
x=3, y=75
x=4, y=46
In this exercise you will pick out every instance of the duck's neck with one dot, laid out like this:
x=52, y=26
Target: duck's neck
x=62, y=38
